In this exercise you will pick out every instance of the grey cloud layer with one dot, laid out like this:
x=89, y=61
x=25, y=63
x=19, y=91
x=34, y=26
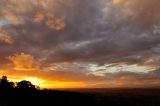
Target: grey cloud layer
x=96, y=31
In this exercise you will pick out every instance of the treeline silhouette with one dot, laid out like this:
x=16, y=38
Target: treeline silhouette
x=24, y=93
x=6, y=86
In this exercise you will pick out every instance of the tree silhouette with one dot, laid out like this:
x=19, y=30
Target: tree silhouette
x=5, y=85
x=25, y=85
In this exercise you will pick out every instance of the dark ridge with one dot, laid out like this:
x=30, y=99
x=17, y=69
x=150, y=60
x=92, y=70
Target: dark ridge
x=24, y=93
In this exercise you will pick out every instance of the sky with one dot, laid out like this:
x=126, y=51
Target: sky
x=81, y=43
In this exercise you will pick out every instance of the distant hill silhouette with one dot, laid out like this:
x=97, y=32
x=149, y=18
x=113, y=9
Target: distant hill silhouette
x=24, y=93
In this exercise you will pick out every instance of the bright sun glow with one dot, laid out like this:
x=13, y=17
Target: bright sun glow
x=33, y=80
x=49, y=84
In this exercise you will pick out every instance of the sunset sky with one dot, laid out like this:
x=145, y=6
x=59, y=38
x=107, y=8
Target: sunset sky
x=81, y=43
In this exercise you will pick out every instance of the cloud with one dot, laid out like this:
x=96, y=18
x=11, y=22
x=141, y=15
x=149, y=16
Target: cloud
x=137, y=10
x=56, y=23
x=101, y=32
x=12, y=18
x=6, y=39
x=85, y=27
x=24, y=62
x=38, y=17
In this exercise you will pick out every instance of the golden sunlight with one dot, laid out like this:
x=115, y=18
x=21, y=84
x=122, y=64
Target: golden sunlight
x=49, y=84
x=62, y=84
x=34, y=80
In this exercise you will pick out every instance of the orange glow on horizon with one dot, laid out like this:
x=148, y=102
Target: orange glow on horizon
x=49, y=84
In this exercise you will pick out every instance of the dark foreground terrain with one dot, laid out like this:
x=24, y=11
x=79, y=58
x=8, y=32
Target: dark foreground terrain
x=24, y=93
x=99, y=97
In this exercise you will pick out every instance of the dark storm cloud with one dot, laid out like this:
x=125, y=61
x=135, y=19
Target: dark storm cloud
x=80, y=26
x=83, y=31
x=90, y=32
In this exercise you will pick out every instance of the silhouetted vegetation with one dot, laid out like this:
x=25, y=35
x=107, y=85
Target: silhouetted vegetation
x=24, y=93
x=5, y=85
